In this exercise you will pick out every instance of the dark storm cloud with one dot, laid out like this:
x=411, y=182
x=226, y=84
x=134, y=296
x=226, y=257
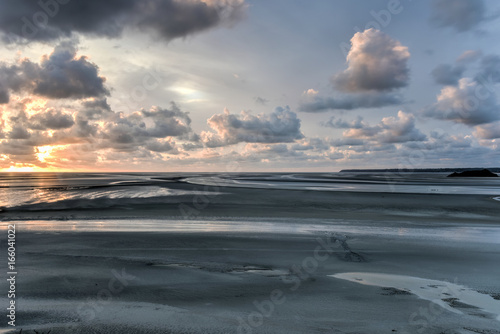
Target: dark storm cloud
x=461, y=15
x=445, y=74
x=62, y=74
x=46, y=20
x=280, y=126
x=350, y=102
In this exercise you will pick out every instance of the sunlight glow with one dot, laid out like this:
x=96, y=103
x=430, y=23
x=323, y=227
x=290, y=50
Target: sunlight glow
x=43, y=152
x=35, y=106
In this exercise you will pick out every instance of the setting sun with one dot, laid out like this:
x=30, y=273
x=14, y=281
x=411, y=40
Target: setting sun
x=43, y=152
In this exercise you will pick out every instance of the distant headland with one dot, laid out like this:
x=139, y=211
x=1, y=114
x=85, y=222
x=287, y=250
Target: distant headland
x=474, y=173
x=422, y=170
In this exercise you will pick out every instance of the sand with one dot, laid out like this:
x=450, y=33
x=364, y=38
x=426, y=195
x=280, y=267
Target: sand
x=261, y=261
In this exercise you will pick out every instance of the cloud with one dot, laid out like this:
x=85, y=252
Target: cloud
x=260, y=100
x=489, y=69
x=461, y=15
x=390, y=130
x=311, y=144
x=19, y=132
x=469, y=103
x=376, y=66
x=350, y=102
x=62, y=74
x=447, y=75
x=342, y=124
x=51, y=120
x=488, y=131
x=26, y=20
x=469, y=56
x=91, y=126
x=280, y=126
x=128, y=132
x=376, y=62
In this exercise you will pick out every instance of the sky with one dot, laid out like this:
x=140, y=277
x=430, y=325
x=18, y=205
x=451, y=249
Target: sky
x=248, y=85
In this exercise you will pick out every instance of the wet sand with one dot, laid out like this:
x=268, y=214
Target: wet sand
x=271, y=275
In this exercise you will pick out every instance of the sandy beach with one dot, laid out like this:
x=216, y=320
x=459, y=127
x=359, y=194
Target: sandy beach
x=263, y=261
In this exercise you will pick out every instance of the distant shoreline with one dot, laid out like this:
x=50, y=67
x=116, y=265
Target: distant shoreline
x=418, y=170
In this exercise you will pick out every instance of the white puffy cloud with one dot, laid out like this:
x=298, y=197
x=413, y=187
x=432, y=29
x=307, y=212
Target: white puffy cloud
x=376, y=62
x=377, y=65
x=469, y=103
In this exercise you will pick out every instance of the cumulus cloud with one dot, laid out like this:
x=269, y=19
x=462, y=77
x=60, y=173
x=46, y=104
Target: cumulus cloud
x=62, y=74
x=488, y=131
x=470, y=100
x=350, y=102
x=375, y=62
x=445, y=74
x=141, y=128
x=469, y=103
x=390, y=130
x=461, y=15
x=26, y=20
x=376, y=67
x=280, y=126
x=93, y=125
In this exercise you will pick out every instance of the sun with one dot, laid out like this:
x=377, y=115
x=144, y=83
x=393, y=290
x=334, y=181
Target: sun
x=44, y=152
x=46, y=155
x=21, y=168
x=35, y=106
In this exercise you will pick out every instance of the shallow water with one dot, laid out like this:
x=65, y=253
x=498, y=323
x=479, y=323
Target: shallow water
x=444, y=294
x=459, y=233
x=64, y=191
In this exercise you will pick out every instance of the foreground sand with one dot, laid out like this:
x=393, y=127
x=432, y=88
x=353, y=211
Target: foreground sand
x=263, y=275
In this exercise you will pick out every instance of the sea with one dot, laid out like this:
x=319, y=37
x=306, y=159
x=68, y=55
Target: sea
x=121, y=200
